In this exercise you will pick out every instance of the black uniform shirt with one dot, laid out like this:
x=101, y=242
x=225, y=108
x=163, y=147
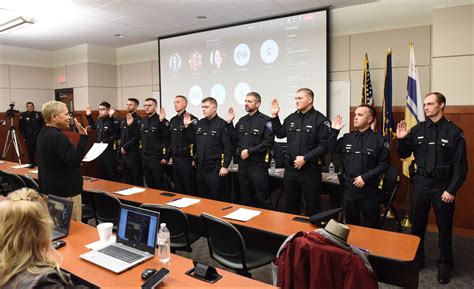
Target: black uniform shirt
x=365, y=154
x=437, y=145
x=212, y=141
x=307, y=135
x=108, y=130
x=254, y=133
x=154, y=137
x=31, y=123
x=181, y=144
x=130, y=135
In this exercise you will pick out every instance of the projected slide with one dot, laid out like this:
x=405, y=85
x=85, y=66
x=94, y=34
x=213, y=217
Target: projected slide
x=273, y=57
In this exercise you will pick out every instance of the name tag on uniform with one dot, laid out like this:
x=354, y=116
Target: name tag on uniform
x=420, y=137
x=444, y=140
x=309, y=126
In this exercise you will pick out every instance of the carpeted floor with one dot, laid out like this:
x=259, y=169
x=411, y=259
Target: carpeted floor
x=463, y=275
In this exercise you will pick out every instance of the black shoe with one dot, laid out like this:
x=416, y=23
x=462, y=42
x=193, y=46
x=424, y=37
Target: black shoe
x=444, y=277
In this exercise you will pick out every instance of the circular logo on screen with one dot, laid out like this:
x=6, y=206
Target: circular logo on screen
x=269, y=51
x=175, y=62
x=195, y=60
x=242, y=54
x=240, y=92
x=195, y=95
x=218, y=92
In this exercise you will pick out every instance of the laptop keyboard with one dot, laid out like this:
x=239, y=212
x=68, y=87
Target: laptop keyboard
x=121, y=254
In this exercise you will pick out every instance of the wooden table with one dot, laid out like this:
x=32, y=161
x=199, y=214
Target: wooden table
x=392, y=254
x=81, y=234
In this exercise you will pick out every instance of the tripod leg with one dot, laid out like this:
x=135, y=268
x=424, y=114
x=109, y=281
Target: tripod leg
x=15, y=145
x=7, y=145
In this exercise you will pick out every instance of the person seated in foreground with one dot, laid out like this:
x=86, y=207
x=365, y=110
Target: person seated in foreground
x=27, y=258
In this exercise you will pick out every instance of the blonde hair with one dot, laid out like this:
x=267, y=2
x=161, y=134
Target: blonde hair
x=50, y=108
x=25, y=235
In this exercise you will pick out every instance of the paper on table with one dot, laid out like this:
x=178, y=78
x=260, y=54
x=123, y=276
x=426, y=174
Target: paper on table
x=183, y=202
x=33, y=171
x=130, y=191
x=2, y=162
x=242, y=214
x=99, y=244
x=96, y=150
x=21, y=166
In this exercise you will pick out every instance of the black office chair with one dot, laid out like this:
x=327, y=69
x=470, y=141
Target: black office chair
x=106, y=207
x=14, y=182
x=30, y=182
x=177, y=223
x=321, y=219
x=87, y=208
x=227, y=246
x=389, y=188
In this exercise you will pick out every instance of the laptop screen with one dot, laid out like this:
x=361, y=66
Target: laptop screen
x=138, y=228
x=61, y=211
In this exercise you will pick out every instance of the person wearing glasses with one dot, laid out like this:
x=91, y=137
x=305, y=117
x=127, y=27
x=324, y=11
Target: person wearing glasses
x=108, y=131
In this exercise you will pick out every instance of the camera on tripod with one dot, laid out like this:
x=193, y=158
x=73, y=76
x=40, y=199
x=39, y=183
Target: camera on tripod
x=10, y=113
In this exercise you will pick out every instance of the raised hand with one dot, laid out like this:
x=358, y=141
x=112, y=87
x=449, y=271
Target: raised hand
x=402, y=130
x=162, y=114
x=230, y=115
x=187, y=119
x=275, y=107
x=88, y=110
x=337, y=123
x=129, y=119
x=111, y=111
x=82, y=130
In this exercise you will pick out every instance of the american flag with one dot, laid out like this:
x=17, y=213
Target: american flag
x=367, y=94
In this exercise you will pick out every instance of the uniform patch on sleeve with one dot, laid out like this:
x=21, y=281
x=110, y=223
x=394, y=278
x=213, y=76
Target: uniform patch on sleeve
x=461, y=134
x=194, y=121
x=167, y=123
x=328, y=124
x=269, y=125
x=386, y=144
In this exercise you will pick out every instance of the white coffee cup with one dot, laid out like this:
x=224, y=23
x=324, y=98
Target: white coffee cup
x=105, y=231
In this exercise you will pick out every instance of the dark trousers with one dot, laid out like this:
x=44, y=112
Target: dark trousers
x=364, y=201
x=152, y=171
x=184, y=175
x=108, y=165
x=426, y=194
x=30, y=141
x=132, y=169
x=304, y=183
x=210, y=184
x=253, y=183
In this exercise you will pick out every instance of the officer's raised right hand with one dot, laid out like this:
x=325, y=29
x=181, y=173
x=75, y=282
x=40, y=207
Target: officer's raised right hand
x=402, y=130
x=187, y=119
x=88, y=110
x=162, y=114
x=129, y=119
x=275, y=108
x=337, y=122
x=230, y=115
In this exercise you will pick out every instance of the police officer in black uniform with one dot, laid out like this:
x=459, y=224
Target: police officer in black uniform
x=31, y=123
x=182, y=149
x=438, y=172
x=254, y=136
x=307, y=132
x=213, y=150
x=366, y=158
x=130, y=145
x=154, y=141
x=108, y=131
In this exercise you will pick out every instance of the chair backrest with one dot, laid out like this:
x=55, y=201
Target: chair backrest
x=14, y=181
x=30, y=182
x=391, y=180
x=176, y=221
x=106, y=206
x=223, y=239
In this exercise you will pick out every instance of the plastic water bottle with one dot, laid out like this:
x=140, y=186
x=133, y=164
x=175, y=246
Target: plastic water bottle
x=272, y=166
x=332, y=171
x=164, y=247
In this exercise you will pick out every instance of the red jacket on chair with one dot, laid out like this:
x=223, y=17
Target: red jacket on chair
x=310, y=261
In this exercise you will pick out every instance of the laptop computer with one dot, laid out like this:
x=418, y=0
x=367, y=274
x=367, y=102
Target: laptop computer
x=136, y=241
x=60, y=210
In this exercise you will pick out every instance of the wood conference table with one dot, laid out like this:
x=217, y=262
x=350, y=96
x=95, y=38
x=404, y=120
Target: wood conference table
x=392, y=254
x=81, y=234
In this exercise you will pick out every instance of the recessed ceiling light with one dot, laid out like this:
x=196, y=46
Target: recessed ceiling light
x=201, y=17
x=119, y=35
